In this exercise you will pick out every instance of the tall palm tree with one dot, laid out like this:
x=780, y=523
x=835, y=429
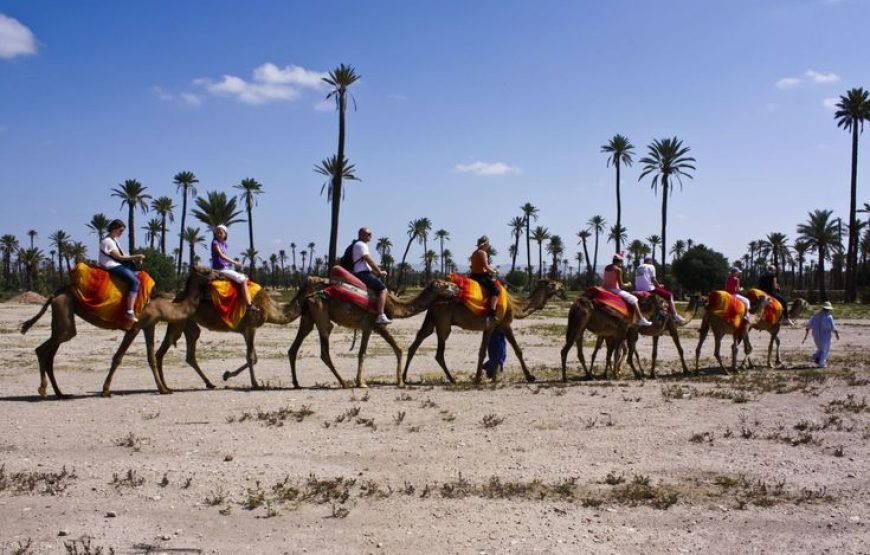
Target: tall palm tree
x=251, y=189
x=620, y=150
x=282, y=258
x=584, y=235
x=530, y=212
x=78, y=251
x=152, y=231
x=216, y=209
x=442, y=235
x=820, y=234
x=666, y=159
x=100, y=224
x=448, y=264
x=293, y=255
x=311, y=246
x=30, y=258
x=132, y=193
x=304, y=254
x=555, y=248
x=540, y=234
x=517, y=225
x=617, y=235
x=60, y=241
x=678, y=249
x=777, y=245
x=800, y=248
x=164, y=207
x=194, y=237
x=8, y=245
x=429, y=257
x=251, y=256
x=384, y=247
x=654, y=241
x=416, y=228
x=186, y=182
x=598, y=225
x=425, y=227
x=32, y=233
x=853, y=110
x=339, y=79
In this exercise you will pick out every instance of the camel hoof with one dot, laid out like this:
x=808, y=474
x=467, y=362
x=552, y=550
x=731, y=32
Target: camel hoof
x=165, y=391
x=256, y=386
x=209, y=385
x=400, y=384
x=344, y=384
x=227, y=376
x=106, y=393
x=41, y=392
x=362, y=385
x=531, y=379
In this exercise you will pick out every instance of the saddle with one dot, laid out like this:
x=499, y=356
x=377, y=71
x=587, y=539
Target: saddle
x=729, y=309
x=772, y=313
x=472, y=295
x=228, y=301
x=104, y=295
x=609, y=302
x=346, y=287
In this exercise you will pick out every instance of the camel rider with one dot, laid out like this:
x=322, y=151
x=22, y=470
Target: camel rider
x=613, y=283
x=113, y=260
x=732, y=285
x=484, y=274
x=645, y=280
x=769, y=283
x=223, y=265
x=367, y=270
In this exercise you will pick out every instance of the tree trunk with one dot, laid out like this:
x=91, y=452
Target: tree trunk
x=852, y=251
x=181, y=232
x=131, y=235
x=336, y=181
x=618, y=216
x=251, y=236
x=402, y=265
x=664, y=215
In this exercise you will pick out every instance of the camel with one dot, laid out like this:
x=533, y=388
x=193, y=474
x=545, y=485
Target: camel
x=207, y=316
x=797, y=307
x=65, y=307
x=663, y=322
x=321, y=310
x=441, y=316
x=721, y=328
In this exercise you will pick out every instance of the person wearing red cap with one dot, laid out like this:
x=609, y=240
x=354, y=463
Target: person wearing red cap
x=613, y=283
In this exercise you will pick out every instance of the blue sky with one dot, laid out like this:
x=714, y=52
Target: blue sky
x=465, y=111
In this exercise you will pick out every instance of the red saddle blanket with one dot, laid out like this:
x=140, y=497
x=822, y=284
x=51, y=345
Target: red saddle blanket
x=609, y=302
x=471, y=294
x=104, y=295
x=729, y=308
x=348, y=288
x=228, y=301
x=772, y=312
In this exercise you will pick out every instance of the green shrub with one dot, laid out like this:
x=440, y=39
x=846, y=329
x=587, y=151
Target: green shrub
x=701, y=270
x=517, y=279
x=162, y=270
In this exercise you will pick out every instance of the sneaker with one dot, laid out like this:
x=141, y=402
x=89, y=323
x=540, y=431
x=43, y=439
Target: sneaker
x=643, y=322
x=131, y=316
x=679, y=319
x=790, y=322
x=382, y=320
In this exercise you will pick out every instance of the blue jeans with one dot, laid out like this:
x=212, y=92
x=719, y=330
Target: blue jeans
x=372, y=282
x=127, y=275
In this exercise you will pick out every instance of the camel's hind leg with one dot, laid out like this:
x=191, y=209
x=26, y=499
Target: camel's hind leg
x=481, y=354
x=388, y=337
x=63, y=328
x=577, y=322
x=250, y=334
x=323, y=330
x=425, y=331
x=702, y=334
x=306, y=324
x=509, y=334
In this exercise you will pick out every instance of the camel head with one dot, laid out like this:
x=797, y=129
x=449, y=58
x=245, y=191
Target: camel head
x=551, y=288
x=798, y=306
x=444, y=289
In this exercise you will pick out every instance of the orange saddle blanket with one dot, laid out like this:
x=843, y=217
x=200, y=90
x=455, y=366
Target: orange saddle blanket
x=610, y=302
x=348, y=288
x=772, y=312
x=729, y=308
x=104, y=295
x=228, y=301
x=471, y=294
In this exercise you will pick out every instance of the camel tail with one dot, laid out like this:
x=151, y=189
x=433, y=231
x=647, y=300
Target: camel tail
x=29, y=324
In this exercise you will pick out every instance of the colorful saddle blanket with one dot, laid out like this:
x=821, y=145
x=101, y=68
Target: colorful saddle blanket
x=729, y=308
x=772, y=312
x=609, y=302
x=471, y=294
x=104, y=295
x=348, y=288
x=228, y=301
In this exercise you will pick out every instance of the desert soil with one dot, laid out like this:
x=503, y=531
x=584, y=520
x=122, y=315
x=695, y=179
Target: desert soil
x=767, y=461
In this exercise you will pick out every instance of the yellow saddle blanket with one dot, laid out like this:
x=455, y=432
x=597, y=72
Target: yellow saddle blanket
x=471, y=294
x=772, y=313
x=104, y=295
x=729, y=308
x=229, y=303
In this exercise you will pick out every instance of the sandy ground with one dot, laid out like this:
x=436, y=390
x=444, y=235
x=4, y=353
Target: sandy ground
x=763, y=462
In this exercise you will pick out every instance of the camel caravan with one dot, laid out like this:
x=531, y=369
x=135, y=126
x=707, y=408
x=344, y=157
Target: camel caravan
x=212, y=300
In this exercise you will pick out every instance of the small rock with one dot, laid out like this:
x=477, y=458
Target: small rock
x=165, y=537
x=856, y=519
x=380, y=545
x=111, y=514
x=63, y=533
x=155, y=498
x=228, y=458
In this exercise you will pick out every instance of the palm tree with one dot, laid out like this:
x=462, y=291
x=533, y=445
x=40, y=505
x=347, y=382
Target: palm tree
x=517, y=225
x=216, y=209
x=78, y=251
x=777, y=245
x=185, y=181
x=31, y=259
x=194, y=237
x=251, y=256
x=853, y=110
x=163, y=206
x=132, y=193
x=32, y=233
x=282, y=258
x=339, y=79
x=447, y=261
x=529, y=213
x=820, y=234
x=384, y=246
x=620, y=150
x=425, y=227
x=666, y=159
x=99, y=223
x=293, y=255
x=152, y=231
x=429, y=257
x=800, y=248
x=416, y=228
x=654, y=241
x=250, y=188
x=60, y=241
x=304, y=254
x=617, y=235
x=598, y=225
x=584, y=235
x=555, y=248
x=442, y=235
x=310, y=255
x=678, y=249
x=9, y=245
x=540, y=234
x=273, y=261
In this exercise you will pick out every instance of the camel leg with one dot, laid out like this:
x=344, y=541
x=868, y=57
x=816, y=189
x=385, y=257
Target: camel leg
x=148, y=332
x=598, y=341
x=573, y=335
x=675, y=335
x=63, y=328
x=778, y=361
x=481, y=354
x=361, y=356
x=747, y=349
x=306, y=324
x=442, y=332
x=631, y=345
x=388, y=337
x=191, y=336
x=323, y=329
x=509, y=334
x=425, y=331
x=702, y=334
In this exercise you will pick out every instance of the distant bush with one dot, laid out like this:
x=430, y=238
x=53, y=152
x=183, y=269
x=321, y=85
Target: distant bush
x=162, y=269
x=517, y=279
x=701, y=270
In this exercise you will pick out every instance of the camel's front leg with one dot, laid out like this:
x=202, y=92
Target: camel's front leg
x=702, y=334
x=119, y=356
x=509, y=334
x=305, y=327
x=382, y=331
x=251, y=354
x=442, y=334
x=361, y=357
x=425, y=331
x=323, y=330
x=774, y=337
x=148, y=332
x=481, y=354
x=675, y=335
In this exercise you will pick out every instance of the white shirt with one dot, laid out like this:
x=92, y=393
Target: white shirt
x=108, y=245
x=644, y=277
x=360, y=249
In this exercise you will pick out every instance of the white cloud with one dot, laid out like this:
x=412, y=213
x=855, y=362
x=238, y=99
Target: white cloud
x=830, y=103
x=269, y=84
x=183, y=99
x=817, y=77
x=486, y=168
x=15, y=38
x=788, y=83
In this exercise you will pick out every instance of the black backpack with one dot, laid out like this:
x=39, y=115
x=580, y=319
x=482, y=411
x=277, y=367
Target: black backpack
x=346, y=261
